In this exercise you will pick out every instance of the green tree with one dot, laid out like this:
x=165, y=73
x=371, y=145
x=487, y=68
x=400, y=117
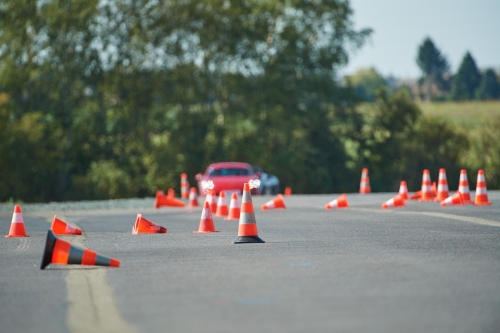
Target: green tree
x=366, y=82
x=467, y=79
x=434, y=66
x=490, y=87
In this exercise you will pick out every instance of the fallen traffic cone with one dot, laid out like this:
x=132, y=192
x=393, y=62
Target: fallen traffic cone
x=61, y=252
x=184, y=186
x=340, y=202
x=276, y=203
x=463, y=187
x=288, y=191
x=364, y=185
x=455, y=199
x=222, y=205
x=247, y=228
x=164, y=200
x=193, y=198
x=171, y=193
x=403, y=189
x=234, y=208
x=17, y=225
x=143, y=226
x=59, y=227
x=427, y=193
x=416, y=195
x=206, y=221
x=481, y=195
x=397, y=201
x=442, y=189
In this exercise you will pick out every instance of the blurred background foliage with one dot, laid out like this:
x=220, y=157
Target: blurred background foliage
x=103, y=99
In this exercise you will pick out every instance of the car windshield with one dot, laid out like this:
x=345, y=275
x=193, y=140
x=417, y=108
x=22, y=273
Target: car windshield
x=230, y=172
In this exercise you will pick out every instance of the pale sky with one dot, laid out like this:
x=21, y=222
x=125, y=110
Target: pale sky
x=400, y=26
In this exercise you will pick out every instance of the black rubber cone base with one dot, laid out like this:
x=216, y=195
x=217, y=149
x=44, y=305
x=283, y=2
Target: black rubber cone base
x=49, y=248
x=247, y=239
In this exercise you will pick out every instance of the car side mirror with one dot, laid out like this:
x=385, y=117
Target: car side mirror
x=258, y=174
x=198, y=176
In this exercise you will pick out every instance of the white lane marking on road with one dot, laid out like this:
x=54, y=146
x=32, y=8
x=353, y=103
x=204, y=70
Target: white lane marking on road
x=92, y=306
x=475, y=220
x=24, y=244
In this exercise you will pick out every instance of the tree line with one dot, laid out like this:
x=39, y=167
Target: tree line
x=116, y=99
x=437, y=82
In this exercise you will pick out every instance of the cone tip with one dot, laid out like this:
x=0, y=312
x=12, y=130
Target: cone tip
x=246, y=187
x=234, y=196
x=17, y=209
x=78, y=232
x=114, y=262
x=481, y=172
x=264, y=207
x=328, y=206
x=183, y=175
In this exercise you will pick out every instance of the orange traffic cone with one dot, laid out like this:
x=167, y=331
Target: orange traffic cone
x=463, y=187
x=206, y=221
x=143, y=226
x=193, y=198
x=17, y=225
x=397, y=201
x=276, y=203
x=171, y=193
x=184, y=186
x=212, y=200
x=247, y=228
x=442, y=189
x=427, y=193
x=416, y=195
x=455, y=199
x=164, y=200
x=481, y=195
x=288, y=191
x=364, y=186
x=340, y=202
x=234, y=208
x=59, y=227
x=61, y=252
x=222, y=205
x=403, y=190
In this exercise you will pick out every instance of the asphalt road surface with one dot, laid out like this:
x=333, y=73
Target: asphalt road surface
x=423, y=268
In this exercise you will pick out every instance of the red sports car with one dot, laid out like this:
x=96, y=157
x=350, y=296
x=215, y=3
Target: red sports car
x=228, y=177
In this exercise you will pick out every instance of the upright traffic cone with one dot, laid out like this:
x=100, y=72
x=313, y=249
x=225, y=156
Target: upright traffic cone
x=481, y=195
x=463, y=187
x=222, y=205
x=247, y=229
x=17, y=225
x=340, y=202
x=234, y=208
x=212, y=200
x=184, y=186
x=403, y=190
x=276, y=203
x=455, y=199
x=193, y=198
x=206, y=221
x=171, y=193
x=288, y=191
x=143, y=226
x=442, y=188
x=397, y=201
x=162, y=200
x=59, y=227
x=427, y=193
x=61, y=252
x=364, y=185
